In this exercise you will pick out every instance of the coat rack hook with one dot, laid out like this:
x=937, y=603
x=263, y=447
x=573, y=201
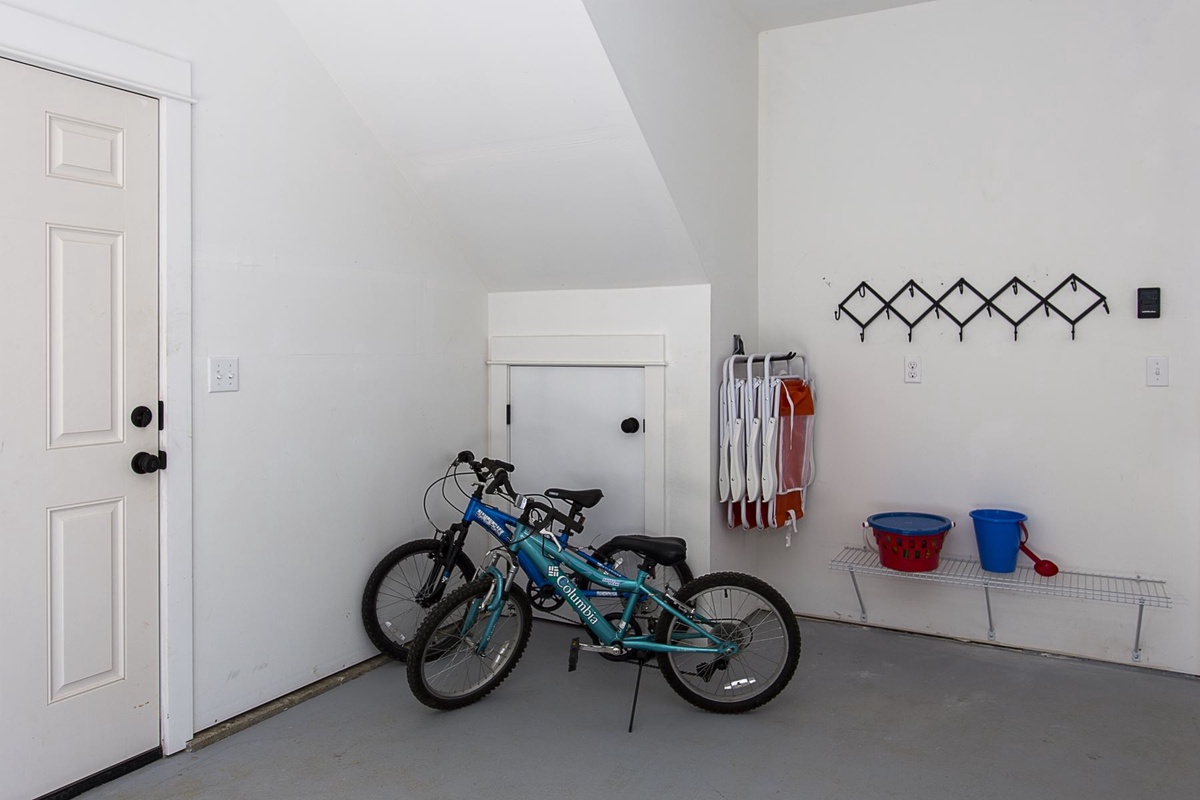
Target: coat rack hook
x=1014, y=285
x=1074, y=285
x=862, y=289
x=837, y=313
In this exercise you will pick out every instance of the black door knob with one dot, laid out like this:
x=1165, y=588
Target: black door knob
x=630, y=425
x=141, y=417
x=144, y=463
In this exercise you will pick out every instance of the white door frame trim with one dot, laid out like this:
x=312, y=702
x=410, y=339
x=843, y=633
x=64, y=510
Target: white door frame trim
x=647, y=351
x=43, y=42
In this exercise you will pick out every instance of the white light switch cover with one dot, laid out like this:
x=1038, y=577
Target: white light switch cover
x=1158, y=371
x=222, y=374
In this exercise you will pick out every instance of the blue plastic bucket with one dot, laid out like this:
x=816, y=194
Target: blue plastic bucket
x=998, y=534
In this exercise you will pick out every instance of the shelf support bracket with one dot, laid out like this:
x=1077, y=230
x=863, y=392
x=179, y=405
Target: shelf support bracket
x=987, y=598
x=1137, y=637
x=862, y=607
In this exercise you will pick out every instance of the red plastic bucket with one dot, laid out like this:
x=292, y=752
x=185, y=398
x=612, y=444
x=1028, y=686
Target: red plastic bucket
x=909, y=541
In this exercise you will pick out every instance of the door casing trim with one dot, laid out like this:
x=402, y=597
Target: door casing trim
x=43, y=42
x=646, y=351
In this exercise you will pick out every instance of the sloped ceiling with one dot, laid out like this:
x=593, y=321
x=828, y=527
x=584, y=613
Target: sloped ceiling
x=509, y=120
x=765, y=15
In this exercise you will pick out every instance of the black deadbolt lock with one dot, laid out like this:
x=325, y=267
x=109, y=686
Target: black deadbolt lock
x=145, y=463
x=630, y=425
x=141, y=417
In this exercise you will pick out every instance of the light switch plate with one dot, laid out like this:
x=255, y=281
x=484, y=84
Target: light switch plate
x=1158, y=371
x=222, y=374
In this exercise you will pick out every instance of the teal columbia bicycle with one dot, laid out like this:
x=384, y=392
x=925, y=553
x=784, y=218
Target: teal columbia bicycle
x=413, y=577
x=725, y=642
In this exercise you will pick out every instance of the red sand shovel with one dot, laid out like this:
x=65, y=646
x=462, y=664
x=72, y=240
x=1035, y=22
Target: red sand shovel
x=1041, y=566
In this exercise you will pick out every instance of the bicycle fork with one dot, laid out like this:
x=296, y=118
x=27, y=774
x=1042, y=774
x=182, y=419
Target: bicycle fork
x=434, y=587
x=492, y=603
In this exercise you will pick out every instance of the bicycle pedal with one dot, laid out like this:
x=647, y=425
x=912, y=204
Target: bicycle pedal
x=573, y=659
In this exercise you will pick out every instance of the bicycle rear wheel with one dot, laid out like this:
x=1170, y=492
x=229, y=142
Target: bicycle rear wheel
x=738, y=608
x=392, y=608
x=447, y=667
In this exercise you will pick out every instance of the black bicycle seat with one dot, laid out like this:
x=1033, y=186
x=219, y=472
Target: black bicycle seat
x=665, y=550
x=584, y=498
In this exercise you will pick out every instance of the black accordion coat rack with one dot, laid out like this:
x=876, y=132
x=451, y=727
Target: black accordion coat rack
x=987, y=303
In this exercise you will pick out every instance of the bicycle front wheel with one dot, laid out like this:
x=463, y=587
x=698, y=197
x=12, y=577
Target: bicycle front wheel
x=741, y=609
x=392, y=605
x=449, y=665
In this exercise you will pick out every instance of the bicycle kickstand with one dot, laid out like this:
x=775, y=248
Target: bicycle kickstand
x=636, y=688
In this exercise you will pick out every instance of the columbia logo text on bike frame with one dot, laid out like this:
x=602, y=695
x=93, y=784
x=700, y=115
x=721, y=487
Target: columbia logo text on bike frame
x=567, y=588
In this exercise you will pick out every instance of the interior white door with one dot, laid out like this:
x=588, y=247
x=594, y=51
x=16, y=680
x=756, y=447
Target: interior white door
x=566, y=431
x=78, y=527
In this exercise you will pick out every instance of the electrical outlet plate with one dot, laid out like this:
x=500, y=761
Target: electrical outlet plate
x=912, y=369
x=222, y=374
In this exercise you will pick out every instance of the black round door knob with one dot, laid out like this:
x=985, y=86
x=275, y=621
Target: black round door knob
x=141, y=417
x=630, y=425
x=144, y=463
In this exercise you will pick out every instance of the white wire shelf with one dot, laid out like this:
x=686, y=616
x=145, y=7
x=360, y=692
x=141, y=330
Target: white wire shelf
x=968, y=572
x=954, y=571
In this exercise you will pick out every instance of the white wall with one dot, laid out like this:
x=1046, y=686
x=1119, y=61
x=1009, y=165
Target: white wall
x=689, y=70
x=987, y=139
x=361, y=337
x=681, y=315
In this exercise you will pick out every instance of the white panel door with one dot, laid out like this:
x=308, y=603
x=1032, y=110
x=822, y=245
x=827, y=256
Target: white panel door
x=566, y=432
x=78, y=527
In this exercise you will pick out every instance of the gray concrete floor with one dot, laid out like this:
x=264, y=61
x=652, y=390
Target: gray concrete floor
x=870, y=714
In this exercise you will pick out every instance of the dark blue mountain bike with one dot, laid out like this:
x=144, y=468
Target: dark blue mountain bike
x=409, y=580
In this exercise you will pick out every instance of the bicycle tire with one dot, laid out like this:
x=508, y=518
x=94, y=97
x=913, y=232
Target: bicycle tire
x=444, y=670
x=391, y=612
x=674, y=577
x=751, y=612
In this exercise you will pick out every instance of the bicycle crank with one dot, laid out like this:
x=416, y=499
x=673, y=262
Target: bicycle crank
x=609, y=651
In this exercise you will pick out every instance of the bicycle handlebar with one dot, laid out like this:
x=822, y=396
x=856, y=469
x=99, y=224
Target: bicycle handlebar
x=495, y=463
x=500, y=485
x=493, y=475
x=485, y=468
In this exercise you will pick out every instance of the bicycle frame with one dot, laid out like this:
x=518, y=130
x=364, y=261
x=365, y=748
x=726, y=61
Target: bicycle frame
x=542, y=557
x=431, y=591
